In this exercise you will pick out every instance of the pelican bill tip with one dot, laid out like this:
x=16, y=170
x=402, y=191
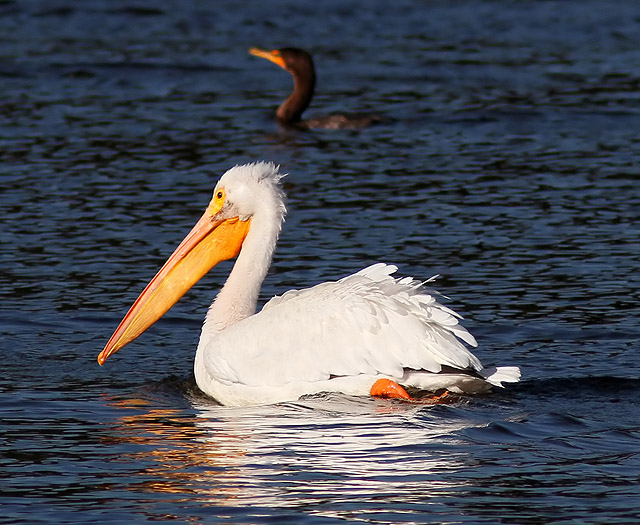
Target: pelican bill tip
x=102, y=358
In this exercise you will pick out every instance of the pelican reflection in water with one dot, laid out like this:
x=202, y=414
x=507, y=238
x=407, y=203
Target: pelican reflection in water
x=230, y=456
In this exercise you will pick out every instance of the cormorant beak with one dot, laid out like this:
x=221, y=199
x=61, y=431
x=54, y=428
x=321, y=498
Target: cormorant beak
x=274, y=56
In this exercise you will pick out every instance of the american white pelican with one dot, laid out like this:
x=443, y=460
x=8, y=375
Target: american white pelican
x=368, y=333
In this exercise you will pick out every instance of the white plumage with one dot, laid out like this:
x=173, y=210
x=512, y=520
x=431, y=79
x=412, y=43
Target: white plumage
x=337, y=336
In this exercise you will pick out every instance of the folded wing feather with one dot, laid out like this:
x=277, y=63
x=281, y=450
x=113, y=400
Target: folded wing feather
x=366, y=323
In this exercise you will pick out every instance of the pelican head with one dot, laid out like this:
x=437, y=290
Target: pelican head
x=247, y=204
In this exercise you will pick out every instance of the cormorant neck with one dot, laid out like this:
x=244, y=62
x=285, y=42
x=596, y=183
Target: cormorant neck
x=303, y=86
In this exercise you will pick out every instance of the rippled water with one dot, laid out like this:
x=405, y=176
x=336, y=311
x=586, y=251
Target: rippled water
x=510, y=168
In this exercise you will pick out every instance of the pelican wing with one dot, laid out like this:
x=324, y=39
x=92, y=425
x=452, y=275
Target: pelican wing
x=366, y=323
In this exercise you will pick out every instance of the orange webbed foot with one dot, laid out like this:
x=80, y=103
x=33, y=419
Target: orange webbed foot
x=389, y=389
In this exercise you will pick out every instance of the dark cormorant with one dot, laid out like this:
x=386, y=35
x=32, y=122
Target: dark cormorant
x=300, y=64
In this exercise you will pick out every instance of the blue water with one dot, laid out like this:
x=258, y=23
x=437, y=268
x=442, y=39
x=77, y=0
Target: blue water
x=510, y=167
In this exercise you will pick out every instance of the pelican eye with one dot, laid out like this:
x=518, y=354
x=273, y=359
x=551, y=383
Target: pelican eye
x=217, y=202
x=219, y=196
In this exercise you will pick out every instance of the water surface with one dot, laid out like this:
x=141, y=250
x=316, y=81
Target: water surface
x=510, y=168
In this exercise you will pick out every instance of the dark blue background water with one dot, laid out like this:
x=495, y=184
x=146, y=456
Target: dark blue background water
x=511, y=168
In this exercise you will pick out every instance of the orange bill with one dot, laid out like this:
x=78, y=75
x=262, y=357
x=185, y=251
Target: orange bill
x=208, y=243
x=274, y=56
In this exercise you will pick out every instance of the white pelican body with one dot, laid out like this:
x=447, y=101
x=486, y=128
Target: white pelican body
x=340, y=336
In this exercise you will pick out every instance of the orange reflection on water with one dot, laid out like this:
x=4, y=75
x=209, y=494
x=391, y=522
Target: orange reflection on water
x=178, y=456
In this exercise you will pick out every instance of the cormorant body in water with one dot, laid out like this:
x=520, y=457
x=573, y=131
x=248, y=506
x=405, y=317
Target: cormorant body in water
x=300, y=64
